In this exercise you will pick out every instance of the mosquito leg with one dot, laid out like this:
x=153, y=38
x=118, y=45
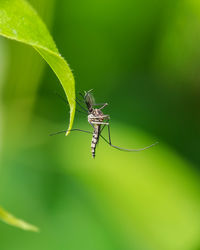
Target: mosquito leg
x=124, y=149
x=100, y=123
x=109, y=135
x=102, y=116
x=102, y=128
x=81, y=130
x=65, y=101
x=81, y=95
x=92, y=124
x=75, y=129
x=105, y=104
x=99, y=104
x=61, y=97
x=86, y=111
x=104, y=125
x=57, y=133
x=80, y=112
x=80, y=100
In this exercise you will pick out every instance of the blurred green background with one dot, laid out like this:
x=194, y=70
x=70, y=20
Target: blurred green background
x=143, y=58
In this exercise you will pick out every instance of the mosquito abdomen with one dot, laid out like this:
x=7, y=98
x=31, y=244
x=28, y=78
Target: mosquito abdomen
x=95, y=139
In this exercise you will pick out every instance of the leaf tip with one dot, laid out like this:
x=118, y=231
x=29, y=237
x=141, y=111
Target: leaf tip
x=67, y=133
x=13, y=221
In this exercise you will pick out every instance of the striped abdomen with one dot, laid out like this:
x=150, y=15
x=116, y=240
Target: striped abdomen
x=95, y=139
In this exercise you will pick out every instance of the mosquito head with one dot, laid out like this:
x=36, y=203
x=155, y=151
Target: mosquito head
x=89, y=100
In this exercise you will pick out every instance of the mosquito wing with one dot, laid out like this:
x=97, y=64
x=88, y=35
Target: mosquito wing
x=89, y=99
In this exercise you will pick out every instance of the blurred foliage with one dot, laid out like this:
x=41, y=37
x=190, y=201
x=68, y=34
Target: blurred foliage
x=142, y=58
x=19, y=21
x=10, y=219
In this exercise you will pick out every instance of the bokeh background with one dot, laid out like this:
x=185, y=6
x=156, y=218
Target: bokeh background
x=143, y=58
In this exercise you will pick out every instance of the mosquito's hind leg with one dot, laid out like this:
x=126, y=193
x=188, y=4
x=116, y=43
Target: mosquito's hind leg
x=124, y=149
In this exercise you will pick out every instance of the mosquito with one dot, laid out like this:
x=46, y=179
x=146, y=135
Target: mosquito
x=98, y=120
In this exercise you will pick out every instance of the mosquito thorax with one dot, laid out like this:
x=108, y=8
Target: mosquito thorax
x=97, y=112
x=96, y=116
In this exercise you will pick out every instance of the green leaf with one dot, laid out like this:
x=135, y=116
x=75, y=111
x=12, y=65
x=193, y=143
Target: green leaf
x=20, y=22
x=11, y=220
